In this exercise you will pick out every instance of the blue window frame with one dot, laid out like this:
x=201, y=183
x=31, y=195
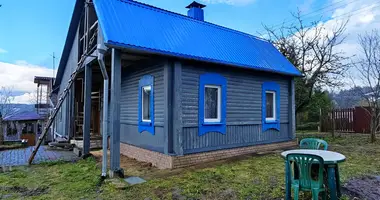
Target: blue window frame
x=212, y=104
x=271, y=106
x=146, y=104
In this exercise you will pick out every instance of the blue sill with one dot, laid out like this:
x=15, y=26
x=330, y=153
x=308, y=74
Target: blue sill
x=271, y=121
x=145, y=123
x=212, y=123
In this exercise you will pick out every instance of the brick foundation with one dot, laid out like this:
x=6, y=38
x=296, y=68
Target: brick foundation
x=163, y=161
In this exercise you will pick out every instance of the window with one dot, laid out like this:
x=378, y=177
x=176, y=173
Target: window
x=270, y=106
x=212, y=104
x=145, y=109
x=146, y=104
x=270, y=113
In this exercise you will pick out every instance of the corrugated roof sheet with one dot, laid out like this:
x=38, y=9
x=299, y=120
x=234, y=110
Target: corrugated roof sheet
x=23, y=116
x=134, y=25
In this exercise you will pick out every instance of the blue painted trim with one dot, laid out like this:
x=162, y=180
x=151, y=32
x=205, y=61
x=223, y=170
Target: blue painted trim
x=270, y=124
x=111, y=43
x=205, y=127
x=146, y=80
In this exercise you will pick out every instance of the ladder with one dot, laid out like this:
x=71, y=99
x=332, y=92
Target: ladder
x=54, y=114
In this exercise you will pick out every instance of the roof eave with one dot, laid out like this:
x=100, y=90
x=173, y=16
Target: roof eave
x=117, y=45
x=79, y=5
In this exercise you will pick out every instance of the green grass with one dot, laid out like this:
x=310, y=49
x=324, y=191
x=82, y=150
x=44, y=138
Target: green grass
x=257, y=177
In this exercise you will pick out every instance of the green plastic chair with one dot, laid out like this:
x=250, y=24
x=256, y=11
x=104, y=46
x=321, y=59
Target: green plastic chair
x=313, y=143
x=305, y=180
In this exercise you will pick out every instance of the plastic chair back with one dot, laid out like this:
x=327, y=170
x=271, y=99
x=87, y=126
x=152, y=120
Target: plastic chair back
x=313, y=143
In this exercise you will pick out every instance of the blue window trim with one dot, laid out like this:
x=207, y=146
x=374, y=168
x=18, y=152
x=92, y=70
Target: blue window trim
x=205, y=127
x=146, y=80
x=271, y=124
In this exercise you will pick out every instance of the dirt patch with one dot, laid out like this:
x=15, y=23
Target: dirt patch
x=24, y=191
x=367, y=187
x=132, y=167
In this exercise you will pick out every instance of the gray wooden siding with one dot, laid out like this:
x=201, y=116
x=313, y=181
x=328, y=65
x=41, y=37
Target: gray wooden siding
x=243, y=114
x=71, y=65
x=129, y=107
x=236, y=136
x=243, y=95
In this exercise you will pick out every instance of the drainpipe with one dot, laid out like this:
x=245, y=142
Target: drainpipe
x=101, y=50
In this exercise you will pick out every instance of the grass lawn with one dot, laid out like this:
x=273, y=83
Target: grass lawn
x=253, y=177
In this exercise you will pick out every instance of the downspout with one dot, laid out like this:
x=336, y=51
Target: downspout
x=101, y=50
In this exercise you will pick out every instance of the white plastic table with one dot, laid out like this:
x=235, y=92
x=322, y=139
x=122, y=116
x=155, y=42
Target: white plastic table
x=331, y=160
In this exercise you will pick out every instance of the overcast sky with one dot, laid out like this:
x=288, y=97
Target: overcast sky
x=30, y=31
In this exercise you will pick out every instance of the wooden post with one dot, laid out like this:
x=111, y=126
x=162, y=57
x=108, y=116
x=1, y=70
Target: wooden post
x=36, y=131
x=177, y=109
x=291, y=111
x=115, y=114
x=87, y=110
x=333, y=123
x=168, y=72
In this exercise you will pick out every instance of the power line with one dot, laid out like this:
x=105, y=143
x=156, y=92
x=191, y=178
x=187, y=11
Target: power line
x=356, y=11
x=351, y=13
x=316, y=11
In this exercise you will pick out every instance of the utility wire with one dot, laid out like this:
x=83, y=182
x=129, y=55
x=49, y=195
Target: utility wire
x=349, y=14
x=313, y=13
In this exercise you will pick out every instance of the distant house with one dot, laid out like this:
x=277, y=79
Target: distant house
x=183, y=90
x=21, y=125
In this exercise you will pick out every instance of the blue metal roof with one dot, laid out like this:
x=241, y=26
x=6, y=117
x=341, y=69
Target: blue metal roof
x=137, y=26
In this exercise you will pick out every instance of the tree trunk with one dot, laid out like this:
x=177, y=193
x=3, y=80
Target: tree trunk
x=373, y=126
x=1, y=130
x=333, y=124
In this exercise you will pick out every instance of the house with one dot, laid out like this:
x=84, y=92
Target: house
x=183, y=90
x=22, y=125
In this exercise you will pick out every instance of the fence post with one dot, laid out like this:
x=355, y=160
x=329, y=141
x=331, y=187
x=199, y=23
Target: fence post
x=333, y=123
x=320, y=120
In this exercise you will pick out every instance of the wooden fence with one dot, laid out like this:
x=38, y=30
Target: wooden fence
x=346, y=120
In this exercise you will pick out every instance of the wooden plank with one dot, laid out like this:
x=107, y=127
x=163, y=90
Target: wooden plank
x=87, y=109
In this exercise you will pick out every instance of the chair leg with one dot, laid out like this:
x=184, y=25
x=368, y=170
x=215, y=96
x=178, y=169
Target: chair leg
x=315, y=193
x=337, y=177
x=324, y=195
x=296, y=192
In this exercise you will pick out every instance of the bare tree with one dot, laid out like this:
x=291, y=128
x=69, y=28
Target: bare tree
x=6, y=100
x=313, y=50
x=368, y=75
x=6, y=106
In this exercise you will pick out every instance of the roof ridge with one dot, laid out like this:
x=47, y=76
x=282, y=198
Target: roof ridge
x=147, y=6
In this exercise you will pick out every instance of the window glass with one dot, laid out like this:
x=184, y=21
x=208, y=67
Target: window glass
x=146, y=95
x=270, y=105
x=212, y=103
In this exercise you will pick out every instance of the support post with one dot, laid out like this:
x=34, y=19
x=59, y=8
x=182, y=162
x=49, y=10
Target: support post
x=168, y=109
x=291, y=111
x=87, y=110
x=177, y=109
x=36, y=130
x=115, y=113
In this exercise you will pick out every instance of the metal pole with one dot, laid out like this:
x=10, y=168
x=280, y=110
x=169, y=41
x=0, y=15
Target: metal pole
x=101, y=51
